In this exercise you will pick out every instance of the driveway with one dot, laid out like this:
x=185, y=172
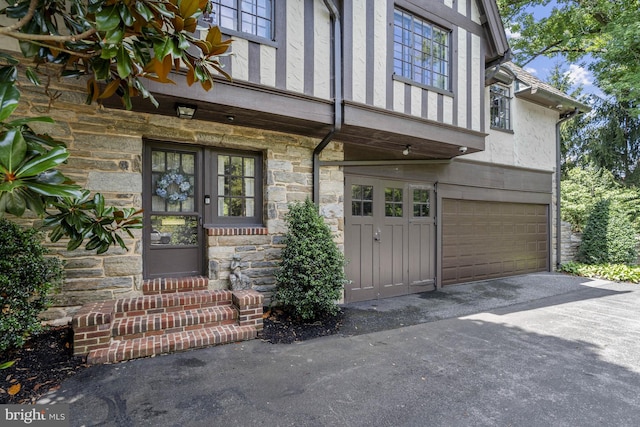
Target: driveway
x=472, y=355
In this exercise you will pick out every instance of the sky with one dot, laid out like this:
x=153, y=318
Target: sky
x=542, y=66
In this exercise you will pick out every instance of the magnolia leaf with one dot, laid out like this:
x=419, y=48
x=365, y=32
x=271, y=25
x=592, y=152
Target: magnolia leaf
x=107, y=18
x=8, y=74
x=13, y=149
x=13, y=202
x=190, y=25
x=110, y=89
x=14, y=389
x=39, y=164
x=123, y=63
x=8, y=364
x=32, y=76
x=9, y=98
x=189, y=7
x=54, y=190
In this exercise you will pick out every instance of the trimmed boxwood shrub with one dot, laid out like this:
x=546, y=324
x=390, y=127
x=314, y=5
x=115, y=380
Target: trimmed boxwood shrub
x=609, y=237
x=311, y=276
x=26, y=279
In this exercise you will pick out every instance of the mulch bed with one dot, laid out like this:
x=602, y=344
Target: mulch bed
x=47, y=358
x=40, y=366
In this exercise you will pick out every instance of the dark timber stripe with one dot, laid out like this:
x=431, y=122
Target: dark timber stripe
x=407, y=97
x=281, y=38
x=470, y=94
x=254, y=62
x=370, y=50
x=347, y=38
x=309, y=48
x=440, y=107
x=425, y=102
x=390, y=12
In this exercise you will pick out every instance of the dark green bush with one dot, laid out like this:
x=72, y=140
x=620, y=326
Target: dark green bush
x=609, y=237
x=311, y=276
x=26, y=279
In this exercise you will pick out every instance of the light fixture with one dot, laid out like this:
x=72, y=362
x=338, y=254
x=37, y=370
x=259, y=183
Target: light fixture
x=185, y=111
x=407, y=150
x=231, y=118
x=462, y=150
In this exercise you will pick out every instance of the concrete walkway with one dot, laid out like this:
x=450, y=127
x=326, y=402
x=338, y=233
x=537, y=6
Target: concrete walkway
x=534, y=350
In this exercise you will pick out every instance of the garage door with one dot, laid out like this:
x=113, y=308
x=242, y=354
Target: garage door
x=482, y=240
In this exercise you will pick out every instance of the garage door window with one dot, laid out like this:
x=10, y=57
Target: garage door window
x=362, y=200
x=393, y=202
x=421, y=203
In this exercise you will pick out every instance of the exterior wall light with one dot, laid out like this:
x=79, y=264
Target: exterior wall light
x=184, y=111
x=407, y=150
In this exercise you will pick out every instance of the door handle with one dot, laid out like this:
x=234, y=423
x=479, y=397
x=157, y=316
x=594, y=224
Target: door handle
x=377, y=235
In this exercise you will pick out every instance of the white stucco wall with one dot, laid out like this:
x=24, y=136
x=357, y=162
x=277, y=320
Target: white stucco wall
x=532, y=143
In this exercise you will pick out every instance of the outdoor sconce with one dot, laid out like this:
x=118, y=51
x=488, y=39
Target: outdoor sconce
x=406, y=150
x=185, y=111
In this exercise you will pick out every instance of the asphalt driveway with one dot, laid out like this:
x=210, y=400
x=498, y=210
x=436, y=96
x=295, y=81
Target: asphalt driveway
x=534, y=350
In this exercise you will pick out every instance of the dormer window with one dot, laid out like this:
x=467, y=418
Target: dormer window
x=500, y=106
x=253, y=17
x=420, y=50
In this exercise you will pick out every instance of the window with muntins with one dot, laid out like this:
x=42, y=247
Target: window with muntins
x=420, y=50
x=500, y=99
x=238, y=188
x=246, y=16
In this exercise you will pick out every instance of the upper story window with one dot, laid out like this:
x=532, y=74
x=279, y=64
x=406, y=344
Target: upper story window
x=500, y=106
x=420, y=50
x=246, y=16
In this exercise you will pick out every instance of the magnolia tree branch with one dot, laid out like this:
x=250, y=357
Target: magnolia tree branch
x=48, y=37
x=25, y=19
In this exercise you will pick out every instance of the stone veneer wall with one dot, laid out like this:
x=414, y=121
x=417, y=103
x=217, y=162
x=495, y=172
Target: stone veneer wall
x=106, y=156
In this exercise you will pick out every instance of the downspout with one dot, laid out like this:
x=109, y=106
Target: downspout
x=563, y=118
x=337, y=95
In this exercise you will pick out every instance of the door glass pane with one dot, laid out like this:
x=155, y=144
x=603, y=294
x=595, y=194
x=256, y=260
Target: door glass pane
x=175, y=230
x=158, y=161
x=421, y=203
x=393, y=202
x=173, y=181
x=361, y=200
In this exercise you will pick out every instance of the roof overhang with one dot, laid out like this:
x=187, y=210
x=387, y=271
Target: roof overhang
x=498, y=44
x=543, y=97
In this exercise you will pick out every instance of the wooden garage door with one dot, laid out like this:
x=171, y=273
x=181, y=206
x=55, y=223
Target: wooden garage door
x=482, y=240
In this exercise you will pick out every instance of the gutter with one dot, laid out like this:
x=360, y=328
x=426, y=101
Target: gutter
x=563, y=118
x=337, y=95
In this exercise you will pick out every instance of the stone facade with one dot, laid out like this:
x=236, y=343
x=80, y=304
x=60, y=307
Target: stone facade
x=106, y=156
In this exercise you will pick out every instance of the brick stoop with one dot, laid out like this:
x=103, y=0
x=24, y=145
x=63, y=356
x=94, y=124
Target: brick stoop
x=173, y=317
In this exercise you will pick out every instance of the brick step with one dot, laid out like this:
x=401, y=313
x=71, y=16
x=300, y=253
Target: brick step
x=120, y=350
x=165, y=303
x=166, y=323
x=173, y=285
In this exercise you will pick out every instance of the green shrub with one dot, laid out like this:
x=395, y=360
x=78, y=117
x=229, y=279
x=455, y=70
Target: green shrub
x=26, y=279
x=609, y=237
x=311, y=275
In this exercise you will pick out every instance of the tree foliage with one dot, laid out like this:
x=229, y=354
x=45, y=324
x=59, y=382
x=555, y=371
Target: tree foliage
x=119, y=43
x=30, y=180
x=607, y=31
x=582, y=188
